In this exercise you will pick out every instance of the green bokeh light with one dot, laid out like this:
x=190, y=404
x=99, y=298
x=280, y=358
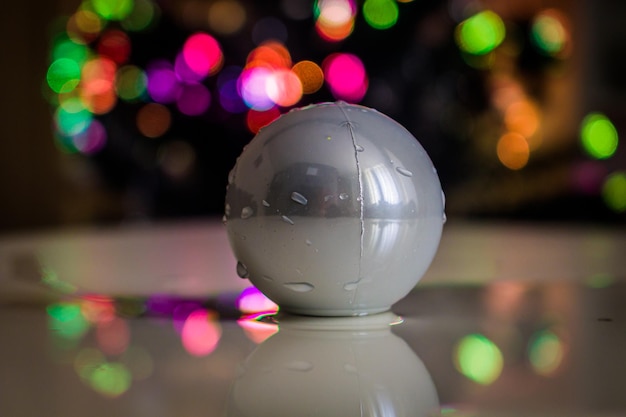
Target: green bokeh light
x=63, y=75
x=599, y=136
x=380, y=14
x=545, y=352
x=548, y=34
x=479, y=359
x=113, y=9
x=141, y=17
x=480, y=33
x=111, y=379
x=66, y=320
x=70, y=122
x=67, y=48
x=131, y=82
x=614, y=192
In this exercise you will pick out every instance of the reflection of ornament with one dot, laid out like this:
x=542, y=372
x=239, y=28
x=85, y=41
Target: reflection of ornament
x=334, y=209
x=333, y=367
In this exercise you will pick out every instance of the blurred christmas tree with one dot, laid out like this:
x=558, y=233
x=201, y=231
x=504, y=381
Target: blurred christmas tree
x=159, y=97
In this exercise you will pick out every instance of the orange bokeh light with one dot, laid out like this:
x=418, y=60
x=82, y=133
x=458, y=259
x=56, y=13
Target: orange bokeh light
x=513, y=150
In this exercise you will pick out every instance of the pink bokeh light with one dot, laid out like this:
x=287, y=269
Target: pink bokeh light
x=346, y=76
x=203, y=54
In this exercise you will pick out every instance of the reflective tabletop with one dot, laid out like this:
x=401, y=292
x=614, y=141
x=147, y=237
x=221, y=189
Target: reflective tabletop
x=510, y=320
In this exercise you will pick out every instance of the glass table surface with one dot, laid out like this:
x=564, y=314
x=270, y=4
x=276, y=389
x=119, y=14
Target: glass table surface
x=152, y=320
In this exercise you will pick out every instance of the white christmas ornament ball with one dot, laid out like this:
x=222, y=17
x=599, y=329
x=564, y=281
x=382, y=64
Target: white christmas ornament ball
x=334, y=210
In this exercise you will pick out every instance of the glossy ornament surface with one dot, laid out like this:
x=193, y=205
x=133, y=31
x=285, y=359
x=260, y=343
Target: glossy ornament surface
x=334, y=210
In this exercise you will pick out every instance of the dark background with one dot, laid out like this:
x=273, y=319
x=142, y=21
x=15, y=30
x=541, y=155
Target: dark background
x=417, y=76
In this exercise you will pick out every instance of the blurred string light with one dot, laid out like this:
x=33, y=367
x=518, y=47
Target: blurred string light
x=91, y=72
x=480, y=33
x=334, y=19
x=478, y=358
x=380, y=14
x=549, y=33
x=614, y=191
x=598, y=136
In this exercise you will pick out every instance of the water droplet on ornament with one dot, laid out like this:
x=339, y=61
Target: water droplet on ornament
x=299, y=286
x=350, y=286
x=404, y=172
x=224, y=219
x=246, y=212
x=343, y=196
x=308, y=242
x=266, y=204
x=242, y=270
x=359, y=148
x=299, y=198
x=287, y=220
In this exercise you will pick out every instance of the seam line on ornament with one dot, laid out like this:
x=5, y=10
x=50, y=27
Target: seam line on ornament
x=350, y=126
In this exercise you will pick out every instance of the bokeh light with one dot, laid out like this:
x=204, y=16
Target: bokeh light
x=480, y=33
x=115, y=45
x=545, y=352
x=72, y=118
x=203, y=54
x=310, y=74
x=113, y=336
x=92, y=139
x=143, y=15
x=614, y=191
x=284, y=88
x=130, y=83
x=64, y=47
x=226, y=17
x=201, y=333
x=228, y=86
x=163, y=85
x=253, y=90
x=153, y=120
x=110, y=379
x=380, y=14
x=84, y=26
x=598, y=136
x=513, y=150
x=193, y=100
x=522, y=116
x=269, y=29
x=346, y=76
x=255, y=120
x=479, y=359
x=549, y=33
x=63, y=75
x=334, y=19
x=66, y=320
x=113, y=9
